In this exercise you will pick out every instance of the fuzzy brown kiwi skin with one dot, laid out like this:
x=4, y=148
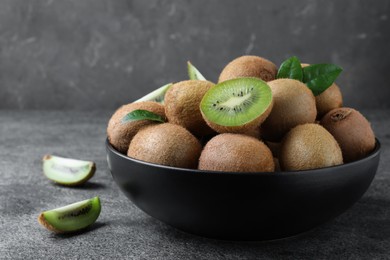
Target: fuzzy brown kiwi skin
x=249, y=66
x=120, y=134
x=294, y=104
x=352, y=131
x=330, y=99
x=166, y=144
x=182, y=102
x=309, y=146
x=43, y=222
x=249, y=128
x=236, y=153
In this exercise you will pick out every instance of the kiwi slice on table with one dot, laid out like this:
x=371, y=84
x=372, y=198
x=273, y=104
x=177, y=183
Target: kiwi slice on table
x=237, y=105
x=72, y=217
x=157, y=95
x=65, y=171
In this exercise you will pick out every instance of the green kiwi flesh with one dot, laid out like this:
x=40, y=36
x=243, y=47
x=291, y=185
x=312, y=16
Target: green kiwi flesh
x=72, y=217
x=194, y=73
x=237, y=105
x=157, y=95
x=66, y=171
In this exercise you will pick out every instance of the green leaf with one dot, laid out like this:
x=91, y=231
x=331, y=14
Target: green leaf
x=291, y=69
x=140, y=114
x=193, y=73
x=319, y=77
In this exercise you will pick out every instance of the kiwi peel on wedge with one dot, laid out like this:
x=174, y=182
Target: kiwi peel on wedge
x=66, y=171
x=72, y=217
x=237, y=105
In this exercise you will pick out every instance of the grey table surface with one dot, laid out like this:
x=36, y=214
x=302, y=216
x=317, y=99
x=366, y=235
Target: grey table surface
x=123, y=231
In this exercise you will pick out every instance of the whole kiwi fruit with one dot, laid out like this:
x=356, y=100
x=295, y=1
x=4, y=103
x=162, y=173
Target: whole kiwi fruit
x=309, y=146
x=330, y=99
x=166, y=144
x=249, y=66
x=182, y=105
x=119, y=133
x=236, y=153
x=352, y=131
x=294, y=104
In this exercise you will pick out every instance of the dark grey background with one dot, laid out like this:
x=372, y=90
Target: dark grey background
x=96, y=54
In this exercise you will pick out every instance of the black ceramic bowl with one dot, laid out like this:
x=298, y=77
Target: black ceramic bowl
x=242, y=206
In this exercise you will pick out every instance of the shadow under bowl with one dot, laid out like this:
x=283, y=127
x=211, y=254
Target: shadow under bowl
x=242, y=206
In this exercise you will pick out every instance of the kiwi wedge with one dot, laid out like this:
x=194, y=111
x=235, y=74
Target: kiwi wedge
x=237, y=105
x=194, y=73
x=157, y=95
x=66, y=171
x=72, y=217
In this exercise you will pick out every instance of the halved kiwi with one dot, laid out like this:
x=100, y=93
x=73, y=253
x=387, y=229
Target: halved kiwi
x=237, y=105
x=66, y=171
x=157, y=95
x=72, y=217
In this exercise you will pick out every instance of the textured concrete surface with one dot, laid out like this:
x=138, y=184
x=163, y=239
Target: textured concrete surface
x=97, y=54
x=123, y=231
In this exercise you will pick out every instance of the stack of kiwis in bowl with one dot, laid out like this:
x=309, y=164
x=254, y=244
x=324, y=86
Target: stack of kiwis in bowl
x=257, y=118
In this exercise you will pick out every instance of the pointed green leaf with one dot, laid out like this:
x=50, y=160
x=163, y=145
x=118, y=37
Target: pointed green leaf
x=290, y=69
x=319, y=77
x=140, y=114
x=193, y=73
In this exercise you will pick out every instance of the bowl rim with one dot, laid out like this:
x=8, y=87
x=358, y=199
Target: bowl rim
x=372, y=154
